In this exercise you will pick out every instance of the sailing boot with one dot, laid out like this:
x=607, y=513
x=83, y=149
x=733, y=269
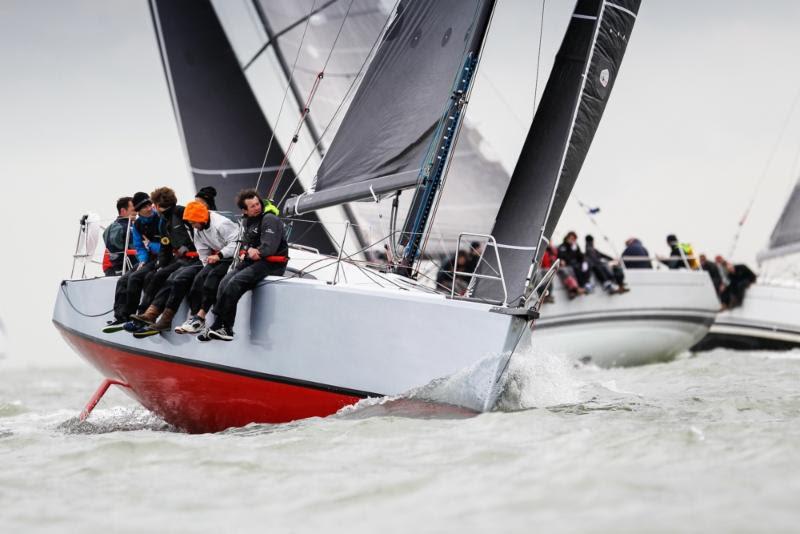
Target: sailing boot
x=165, y=321
x=149, y=316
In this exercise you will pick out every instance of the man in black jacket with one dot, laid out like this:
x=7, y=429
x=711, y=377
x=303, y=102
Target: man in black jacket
x=177, y=251
x=265, y=253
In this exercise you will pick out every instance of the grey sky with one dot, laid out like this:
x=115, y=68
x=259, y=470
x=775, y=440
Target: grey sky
x=704, y=91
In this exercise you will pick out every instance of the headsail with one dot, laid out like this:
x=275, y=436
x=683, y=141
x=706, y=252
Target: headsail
x=566, y=120
x=785, y=238
x=222, y=127
x=382, y=141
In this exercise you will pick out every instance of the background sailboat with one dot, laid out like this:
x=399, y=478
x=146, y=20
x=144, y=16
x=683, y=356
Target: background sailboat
x=769, y=318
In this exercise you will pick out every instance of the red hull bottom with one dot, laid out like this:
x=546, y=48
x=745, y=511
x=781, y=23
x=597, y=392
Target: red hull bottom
x=199, y=399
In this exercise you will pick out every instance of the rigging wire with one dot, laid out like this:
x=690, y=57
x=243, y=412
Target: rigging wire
x=279, y=175
x=341, y=103
x=760, y=182
x=285, y=93
x=538, y=58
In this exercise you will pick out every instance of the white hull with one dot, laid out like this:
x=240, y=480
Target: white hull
x=664, y=313
x=768, y=319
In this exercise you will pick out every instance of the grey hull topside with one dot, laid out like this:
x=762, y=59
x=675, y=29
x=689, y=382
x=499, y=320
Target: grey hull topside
x=370, y=340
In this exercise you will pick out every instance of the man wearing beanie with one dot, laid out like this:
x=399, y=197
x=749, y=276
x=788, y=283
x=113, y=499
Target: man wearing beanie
x=177, y=253
x=206, y=195
x=146, y=239
x=215, y=238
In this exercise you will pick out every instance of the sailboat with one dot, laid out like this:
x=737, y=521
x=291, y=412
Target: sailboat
x=769, y=317
x=335, y=330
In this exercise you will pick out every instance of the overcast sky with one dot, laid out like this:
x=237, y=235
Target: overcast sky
x=704, y=91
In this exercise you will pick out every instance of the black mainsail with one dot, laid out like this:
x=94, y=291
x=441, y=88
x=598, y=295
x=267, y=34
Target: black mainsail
x=562, y=130
x=222, y=127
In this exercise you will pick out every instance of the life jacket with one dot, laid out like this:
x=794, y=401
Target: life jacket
x=253, y=227
x=174, y=232
x=688, y=251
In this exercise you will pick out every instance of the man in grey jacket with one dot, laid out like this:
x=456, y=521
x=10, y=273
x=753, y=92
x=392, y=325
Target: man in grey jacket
x=215, y=238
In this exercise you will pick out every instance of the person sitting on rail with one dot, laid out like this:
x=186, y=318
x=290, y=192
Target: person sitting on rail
x=610, y=275
x=635, y=249
x=115, y=236
x=740, y=278
x=147, y=242
x=177, y=251
x=215, y=237
x=265, y=253
x=207, y=196
x=571, y=255
x=681, y=255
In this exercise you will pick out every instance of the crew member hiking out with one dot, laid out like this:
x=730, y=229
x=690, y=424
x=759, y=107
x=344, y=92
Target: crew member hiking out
x=177, y=251
x=215, y=237
x=265, y=253
x=147, y=242
x=681, y=255
x=115, y=236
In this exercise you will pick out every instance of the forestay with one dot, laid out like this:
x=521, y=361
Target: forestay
x=584, y=72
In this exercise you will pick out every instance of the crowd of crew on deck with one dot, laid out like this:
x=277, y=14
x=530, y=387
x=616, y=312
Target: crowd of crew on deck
x=164, y=252
x=580, y=271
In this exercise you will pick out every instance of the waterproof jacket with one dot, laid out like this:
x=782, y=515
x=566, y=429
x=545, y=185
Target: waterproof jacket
x=571, y=255
x=265, y=232
x=176, y=236
x=218, y=236
x=634, y=249
x=147, y=228
x=595, y=257
x=114, y=239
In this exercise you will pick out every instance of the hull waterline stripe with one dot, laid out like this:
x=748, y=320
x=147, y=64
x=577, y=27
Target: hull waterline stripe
x=727, y=327
x=216, y=367
x=556, y=323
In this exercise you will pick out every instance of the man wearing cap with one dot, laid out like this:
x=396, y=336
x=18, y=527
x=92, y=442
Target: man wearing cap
x=115, y=237
x=265, y=253
x=215, y=238
x=207, y=196
x=177, y=251
x=146, y=239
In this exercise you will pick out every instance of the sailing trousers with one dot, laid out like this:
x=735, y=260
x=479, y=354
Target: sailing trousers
x=246, y=277
x=129, y=290
x=156, y=280
x=203, y=294
x=177, y=286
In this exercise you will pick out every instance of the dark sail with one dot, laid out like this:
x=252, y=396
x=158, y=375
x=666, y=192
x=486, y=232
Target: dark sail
x=785, y=238
x=566, y=120
x=382, y=142
x=222, y=127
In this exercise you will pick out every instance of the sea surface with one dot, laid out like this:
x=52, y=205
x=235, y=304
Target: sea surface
x=707, y=443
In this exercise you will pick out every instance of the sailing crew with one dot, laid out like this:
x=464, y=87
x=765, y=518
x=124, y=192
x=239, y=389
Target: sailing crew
x=635, y=249
x=147, y=242
x=176, y=252
x=115, y=237
x=570, y=254
x=265, y=253
x=206, y=195
x=682, y=253
x=741, y=278
x=610, y=276
x=713, y=273
x=215, y=237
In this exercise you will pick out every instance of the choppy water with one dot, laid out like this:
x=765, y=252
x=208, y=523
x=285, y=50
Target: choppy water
x=708, y=443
